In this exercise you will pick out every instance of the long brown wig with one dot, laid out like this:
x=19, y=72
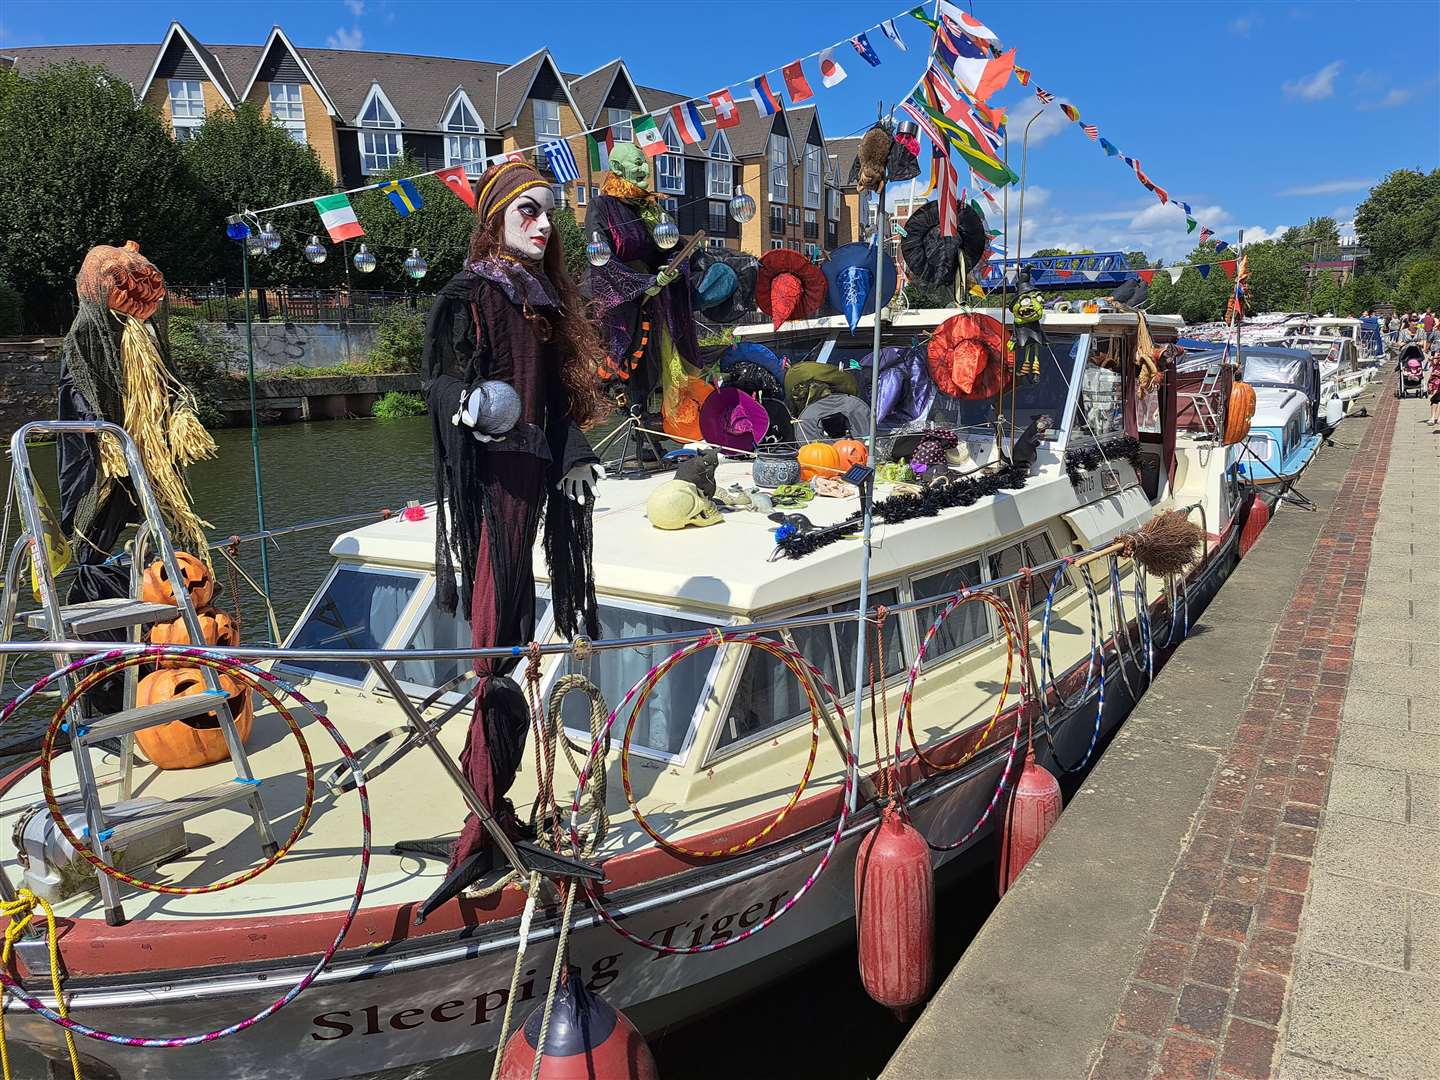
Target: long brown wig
x=580, y=350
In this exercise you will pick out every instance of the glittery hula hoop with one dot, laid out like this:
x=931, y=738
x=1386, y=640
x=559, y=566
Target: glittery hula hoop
x=82, y=847
x=1176, y=584
x=192, y=655
x=1007, y=623
x=907, y=723
x=852, y=766
x=648, y=684
x=1097, y=650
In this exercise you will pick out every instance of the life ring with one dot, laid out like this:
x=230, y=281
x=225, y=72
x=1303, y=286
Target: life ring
x=1238, y=412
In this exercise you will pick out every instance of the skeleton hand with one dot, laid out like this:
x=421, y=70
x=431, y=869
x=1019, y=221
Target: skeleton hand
x=578, y=484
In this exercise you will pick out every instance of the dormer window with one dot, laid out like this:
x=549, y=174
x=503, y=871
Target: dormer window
x=380, y=149
x=466, y=148
x=288, y=110
x=187, y=108
x=720, y=170
x=619, y=121
x=670, y=168
x=547, y=120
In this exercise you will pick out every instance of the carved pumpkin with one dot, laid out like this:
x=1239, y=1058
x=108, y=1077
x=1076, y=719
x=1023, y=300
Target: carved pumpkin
x=122, y=279
x=216, y=627
x=852, y=452
x=1238, y=412
x=819, y=459
x=199, y=581
x=198, y=740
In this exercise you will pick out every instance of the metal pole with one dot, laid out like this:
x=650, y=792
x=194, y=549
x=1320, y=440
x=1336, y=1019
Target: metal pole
x=254, y=417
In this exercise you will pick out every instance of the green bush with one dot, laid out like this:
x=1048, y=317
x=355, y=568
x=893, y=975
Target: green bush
x=12, y=321
x=194, y=356
x=400, y=338
x=397, y=405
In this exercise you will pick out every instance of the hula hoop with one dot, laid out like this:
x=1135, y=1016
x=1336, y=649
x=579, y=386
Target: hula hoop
x=1120, y=631
x=1177, y=587
x=852, y=766
x=82, y=848
x=907, y=721
x=35, y=1005
x=1142, y=620
x=1097, y=648
x=641, y=693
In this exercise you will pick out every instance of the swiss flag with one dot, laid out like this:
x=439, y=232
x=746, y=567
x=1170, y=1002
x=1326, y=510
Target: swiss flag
x=1147, y=276
x=455, y=179
x=726, y=114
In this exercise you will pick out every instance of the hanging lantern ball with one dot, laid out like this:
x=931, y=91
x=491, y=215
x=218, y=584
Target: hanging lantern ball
x=255, y=245
x=236, y=229
x=597, y=250
x=415, y=265
x=666, y=233
x=364, y=261
x=742, y=206
x=315, y=251
x=270, y=236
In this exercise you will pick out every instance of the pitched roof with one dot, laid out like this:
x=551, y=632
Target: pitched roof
x=591, y=90
x=751, y=137
x=128, y=62
x=845, y=150
x=659, y=102
x=418, y=86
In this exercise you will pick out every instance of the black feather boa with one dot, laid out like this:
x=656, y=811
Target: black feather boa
x=945, y=493
x=1080, y=462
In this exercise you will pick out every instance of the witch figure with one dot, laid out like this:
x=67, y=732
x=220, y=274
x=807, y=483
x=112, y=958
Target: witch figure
x=645, y=310
x=509, y=376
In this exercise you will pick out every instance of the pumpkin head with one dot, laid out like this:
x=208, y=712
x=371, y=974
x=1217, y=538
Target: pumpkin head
x=216, y=627
x=122, y=279
x=197, y=740
x=819, y=459
x=852, y=452
x=199, y=582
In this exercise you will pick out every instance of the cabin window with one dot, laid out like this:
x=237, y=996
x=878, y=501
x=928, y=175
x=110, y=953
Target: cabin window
x=664, y=724
x=437, y=630
x=768, y=695
x=358, y=608
x=1047, y=397
x=845, y=638
x=1259, y=446
x=1033, y=551
x=967, y=625
x=1100, y=408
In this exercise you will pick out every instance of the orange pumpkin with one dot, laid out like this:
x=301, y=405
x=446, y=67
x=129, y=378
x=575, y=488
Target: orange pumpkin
x=1238, y=412
x=122, y=279
x=852, y=452
x=198, y=740
x=199, y=581
x=819, y=459
x=216, y=627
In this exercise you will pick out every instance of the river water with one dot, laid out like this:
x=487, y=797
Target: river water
x=319, y=470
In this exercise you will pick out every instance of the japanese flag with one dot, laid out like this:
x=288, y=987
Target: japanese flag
x=831, y=73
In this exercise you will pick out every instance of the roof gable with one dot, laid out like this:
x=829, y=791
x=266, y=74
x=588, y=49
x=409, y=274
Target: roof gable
x=522, y=80
x=377, y=93
x=178, y=38
x=276, y=45
x=459, y=99
x=608, y=86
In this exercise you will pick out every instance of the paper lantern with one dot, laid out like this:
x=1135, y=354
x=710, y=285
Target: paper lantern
x=415, y=265
x=315, y=251
x=666, y=233
x=364, y=261
x=742, y=206
x=597, y=250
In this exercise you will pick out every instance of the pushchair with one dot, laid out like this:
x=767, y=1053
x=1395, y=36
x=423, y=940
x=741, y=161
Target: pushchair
x=1411, y=368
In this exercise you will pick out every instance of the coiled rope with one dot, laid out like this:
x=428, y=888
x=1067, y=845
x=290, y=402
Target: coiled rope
x=21, y=912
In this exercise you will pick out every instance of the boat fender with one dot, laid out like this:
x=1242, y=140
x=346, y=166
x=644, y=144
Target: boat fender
x=1256, y=517
x=1033, y=809
x=895, y=913
x=587, y=1038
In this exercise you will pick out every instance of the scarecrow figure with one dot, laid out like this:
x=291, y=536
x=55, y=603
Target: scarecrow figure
x=509, y=375
x=1029, y=340
x=645, y=312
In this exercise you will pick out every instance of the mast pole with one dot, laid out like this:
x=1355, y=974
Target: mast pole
x=254, y=418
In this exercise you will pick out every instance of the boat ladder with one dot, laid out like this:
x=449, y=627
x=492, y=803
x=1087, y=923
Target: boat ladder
x=60, y=623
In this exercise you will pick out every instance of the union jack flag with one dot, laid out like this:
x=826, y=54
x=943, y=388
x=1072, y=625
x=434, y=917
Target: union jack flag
x=1044, y=95
x=1090, y=130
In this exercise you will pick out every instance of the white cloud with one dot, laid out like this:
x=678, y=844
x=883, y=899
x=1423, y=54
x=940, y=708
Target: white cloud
x=1315, y=87
x=1258, y=234
x=357, y=7
x=1051, y=121
x=346, y=39
x=1144, y=225
x=1329, y=187
x=1242, y=26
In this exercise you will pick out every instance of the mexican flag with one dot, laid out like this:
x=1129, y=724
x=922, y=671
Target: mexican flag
x=338, y=217
x=647, y=137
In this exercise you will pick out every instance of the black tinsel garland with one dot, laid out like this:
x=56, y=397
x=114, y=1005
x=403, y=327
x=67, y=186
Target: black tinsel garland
x=944, y=493
x=1080, y=462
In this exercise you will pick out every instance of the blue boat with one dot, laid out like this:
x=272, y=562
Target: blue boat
x=1282, y=439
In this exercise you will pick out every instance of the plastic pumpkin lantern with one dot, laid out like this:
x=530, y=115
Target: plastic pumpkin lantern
x=1238, y=412
x=819, y=459
x=852, y=452
x=199, y=582
x=216, y=627
x=196, y=740
x=121, y=279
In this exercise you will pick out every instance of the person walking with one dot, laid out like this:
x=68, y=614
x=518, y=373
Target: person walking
x=1433, y=385
x=1428, y=321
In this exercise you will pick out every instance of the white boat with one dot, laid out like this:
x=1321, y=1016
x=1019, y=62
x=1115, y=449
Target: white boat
x=718, y=749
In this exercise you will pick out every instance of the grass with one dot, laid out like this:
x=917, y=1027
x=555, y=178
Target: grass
x=349, y=367
x=397, y=405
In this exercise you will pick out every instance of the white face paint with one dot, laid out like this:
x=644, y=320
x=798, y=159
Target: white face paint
x=527, y=222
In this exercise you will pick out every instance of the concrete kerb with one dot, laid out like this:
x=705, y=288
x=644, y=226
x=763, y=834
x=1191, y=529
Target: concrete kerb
x=1036, y=992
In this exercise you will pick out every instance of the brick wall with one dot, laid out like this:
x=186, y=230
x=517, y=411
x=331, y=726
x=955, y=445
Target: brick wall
x=29, y=376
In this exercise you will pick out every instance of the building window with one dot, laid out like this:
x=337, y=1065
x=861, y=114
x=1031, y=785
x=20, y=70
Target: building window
x=466, y=148
x=558, y=190
x=547, y=119
x=719, y=218
x=619, y=121
x=719, y=172
x=670, y=206
x=812, y=177
x=812, y=225
x=715, y=242
x=670, y=173
x=287, y=109
x=832, y=204
x=580, y=193
x=794, y=215
x=779, y=158
x=187, y=108
x=776, y=245
x=777, y=219
x=379, y=150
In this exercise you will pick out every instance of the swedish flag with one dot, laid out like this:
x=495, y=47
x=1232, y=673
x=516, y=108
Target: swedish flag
x=404, y=196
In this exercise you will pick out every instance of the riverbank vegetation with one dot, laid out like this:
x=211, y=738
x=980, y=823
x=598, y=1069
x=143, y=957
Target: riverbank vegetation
x=398, y=405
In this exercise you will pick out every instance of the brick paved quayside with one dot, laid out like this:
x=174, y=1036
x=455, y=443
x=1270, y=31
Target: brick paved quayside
x=1299, y=935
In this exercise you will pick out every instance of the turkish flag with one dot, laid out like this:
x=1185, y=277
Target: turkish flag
x=455, y=179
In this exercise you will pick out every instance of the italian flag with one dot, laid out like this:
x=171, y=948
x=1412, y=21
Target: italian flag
x=600, y=144
x=339, y=218
x=647, y=137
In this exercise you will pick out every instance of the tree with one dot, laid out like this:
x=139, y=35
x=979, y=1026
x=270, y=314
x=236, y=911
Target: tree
x=1276, y=277
x=440, y=231
x=572, y=241
x=242, y=160
x=1325, y=294
x=1322, y=231
x=1419, y=286
x=1399, y=222
x=1360, y=294
x=1137, y=260
x=82, y=165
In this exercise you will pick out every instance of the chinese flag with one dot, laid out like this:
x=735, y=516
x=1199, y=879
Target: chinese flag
x=455, y=179
x=795, y=84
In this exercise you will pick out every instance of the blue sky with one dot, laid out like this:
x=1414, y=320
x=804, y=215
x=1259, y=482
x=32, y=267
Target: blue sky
x=1260, y=114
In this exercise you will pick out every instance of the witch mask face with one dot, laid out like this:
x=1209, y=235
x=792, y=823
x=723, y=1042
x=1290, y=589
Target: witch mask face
x=628, y=162
x=527, y=223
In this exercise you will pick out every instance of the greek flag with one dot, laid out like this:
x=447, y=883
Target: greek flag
x=562, y=161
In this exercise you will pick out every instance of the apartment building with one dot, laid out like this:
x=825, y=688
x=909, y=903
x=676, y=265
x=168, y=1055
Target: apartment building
x=362, y=111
